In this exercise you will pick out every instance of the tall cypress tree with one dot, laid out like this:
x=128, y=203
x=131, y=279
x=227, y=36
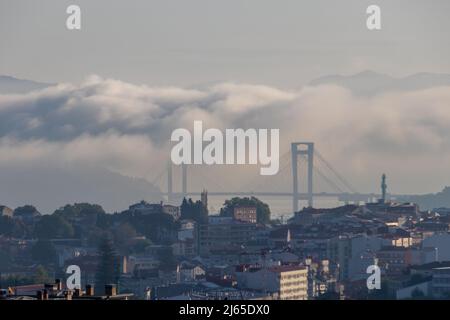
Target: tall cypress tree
x=194, y=210
x=108, y=267
x=185, y=214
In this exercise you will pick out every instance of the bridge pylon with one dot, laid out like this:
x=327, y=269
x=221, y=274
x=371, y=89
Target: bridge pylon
x=170, y=192
x=298, y=148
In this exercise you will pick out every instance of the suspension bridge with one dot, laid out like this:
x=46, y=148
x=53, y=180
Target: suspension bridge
x=296, y=185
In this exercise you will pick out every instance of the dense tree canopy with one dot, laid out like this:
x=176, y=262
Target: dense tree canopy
x=53, y=226
x=84, y=218
x=25, y=210
x=80, y=209
x=108, y=267
x=194, y=210
x=6, y=226
x=41, y=275
x=124, y=236
x=157, y=227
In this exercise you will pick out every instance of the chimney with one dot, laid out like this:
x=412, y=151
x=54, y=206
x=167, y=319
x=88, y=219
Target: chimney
x=45, y=294
x=78, y=292
x=39, y=295
x=89, y=290
x=51, y=288
x=110, y=290
x=58, y=284
x=68, y=295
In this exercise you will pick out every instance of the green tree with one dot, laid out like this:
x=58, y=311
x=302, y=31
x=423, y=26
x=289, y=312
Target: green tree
x=53, y=226
x=262, y=209
x=83, y=217
x=41, y=275
x=108, y=267
x=26, y=210
x=6, y=226
x=158, y=227
x=21, y=230
x=124, y=236
x=80, y=209
x=103, y=221
x=193, y=210
x=96, y=236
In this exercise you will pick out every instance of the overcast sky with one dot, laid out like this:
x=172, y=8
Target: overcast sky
x=283, y=42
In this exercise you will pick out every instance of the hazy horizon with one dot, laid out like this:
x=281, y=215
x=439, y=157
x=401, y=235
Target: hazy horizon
x=85, y=126
x=277, y=43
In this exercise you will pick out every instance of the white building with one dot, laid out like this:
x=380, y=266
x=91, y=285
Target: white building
x=5, y=211
x=190, y=272
x=287, y=282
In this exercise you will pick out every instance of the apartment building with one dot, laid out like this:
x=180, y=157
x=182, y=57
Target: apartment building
x=224, y=234
x=288, y=282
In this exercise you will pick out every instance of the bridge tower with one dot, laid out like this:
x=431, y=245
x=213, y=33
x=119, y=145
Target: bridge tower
x=170, y=193
x=298, y=148
x=184, y=179
x=169, y=182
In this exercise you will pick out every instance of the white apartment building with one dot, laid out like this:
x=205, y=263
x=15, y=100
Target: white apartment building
x=287, y=282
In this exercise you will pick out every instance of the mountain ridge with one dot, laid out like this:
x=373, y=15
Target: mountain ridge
x=13, y=85
x=370, y=83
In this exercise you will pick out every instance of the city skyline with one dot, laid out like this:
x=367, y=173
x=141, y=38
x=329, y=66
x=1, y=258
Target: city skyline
x=249, y=151
x=373, y=101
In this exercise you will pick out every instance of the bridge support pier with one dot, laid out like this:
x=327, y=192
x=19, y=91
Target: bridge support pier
x=295, y=152
x=170, y=193
x=169, y=182
x=184, y=179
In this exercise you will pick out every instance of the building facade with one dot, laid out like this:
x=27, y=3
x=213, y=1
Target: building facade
x=245, y=214
x=287, y=282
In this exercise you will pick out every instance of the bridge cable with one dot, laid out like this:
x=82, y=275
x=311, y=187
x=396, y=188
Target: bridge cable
x=339, y=177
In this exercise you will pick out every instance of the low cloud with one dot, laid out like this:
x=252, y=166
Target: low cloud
x=126, y=128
